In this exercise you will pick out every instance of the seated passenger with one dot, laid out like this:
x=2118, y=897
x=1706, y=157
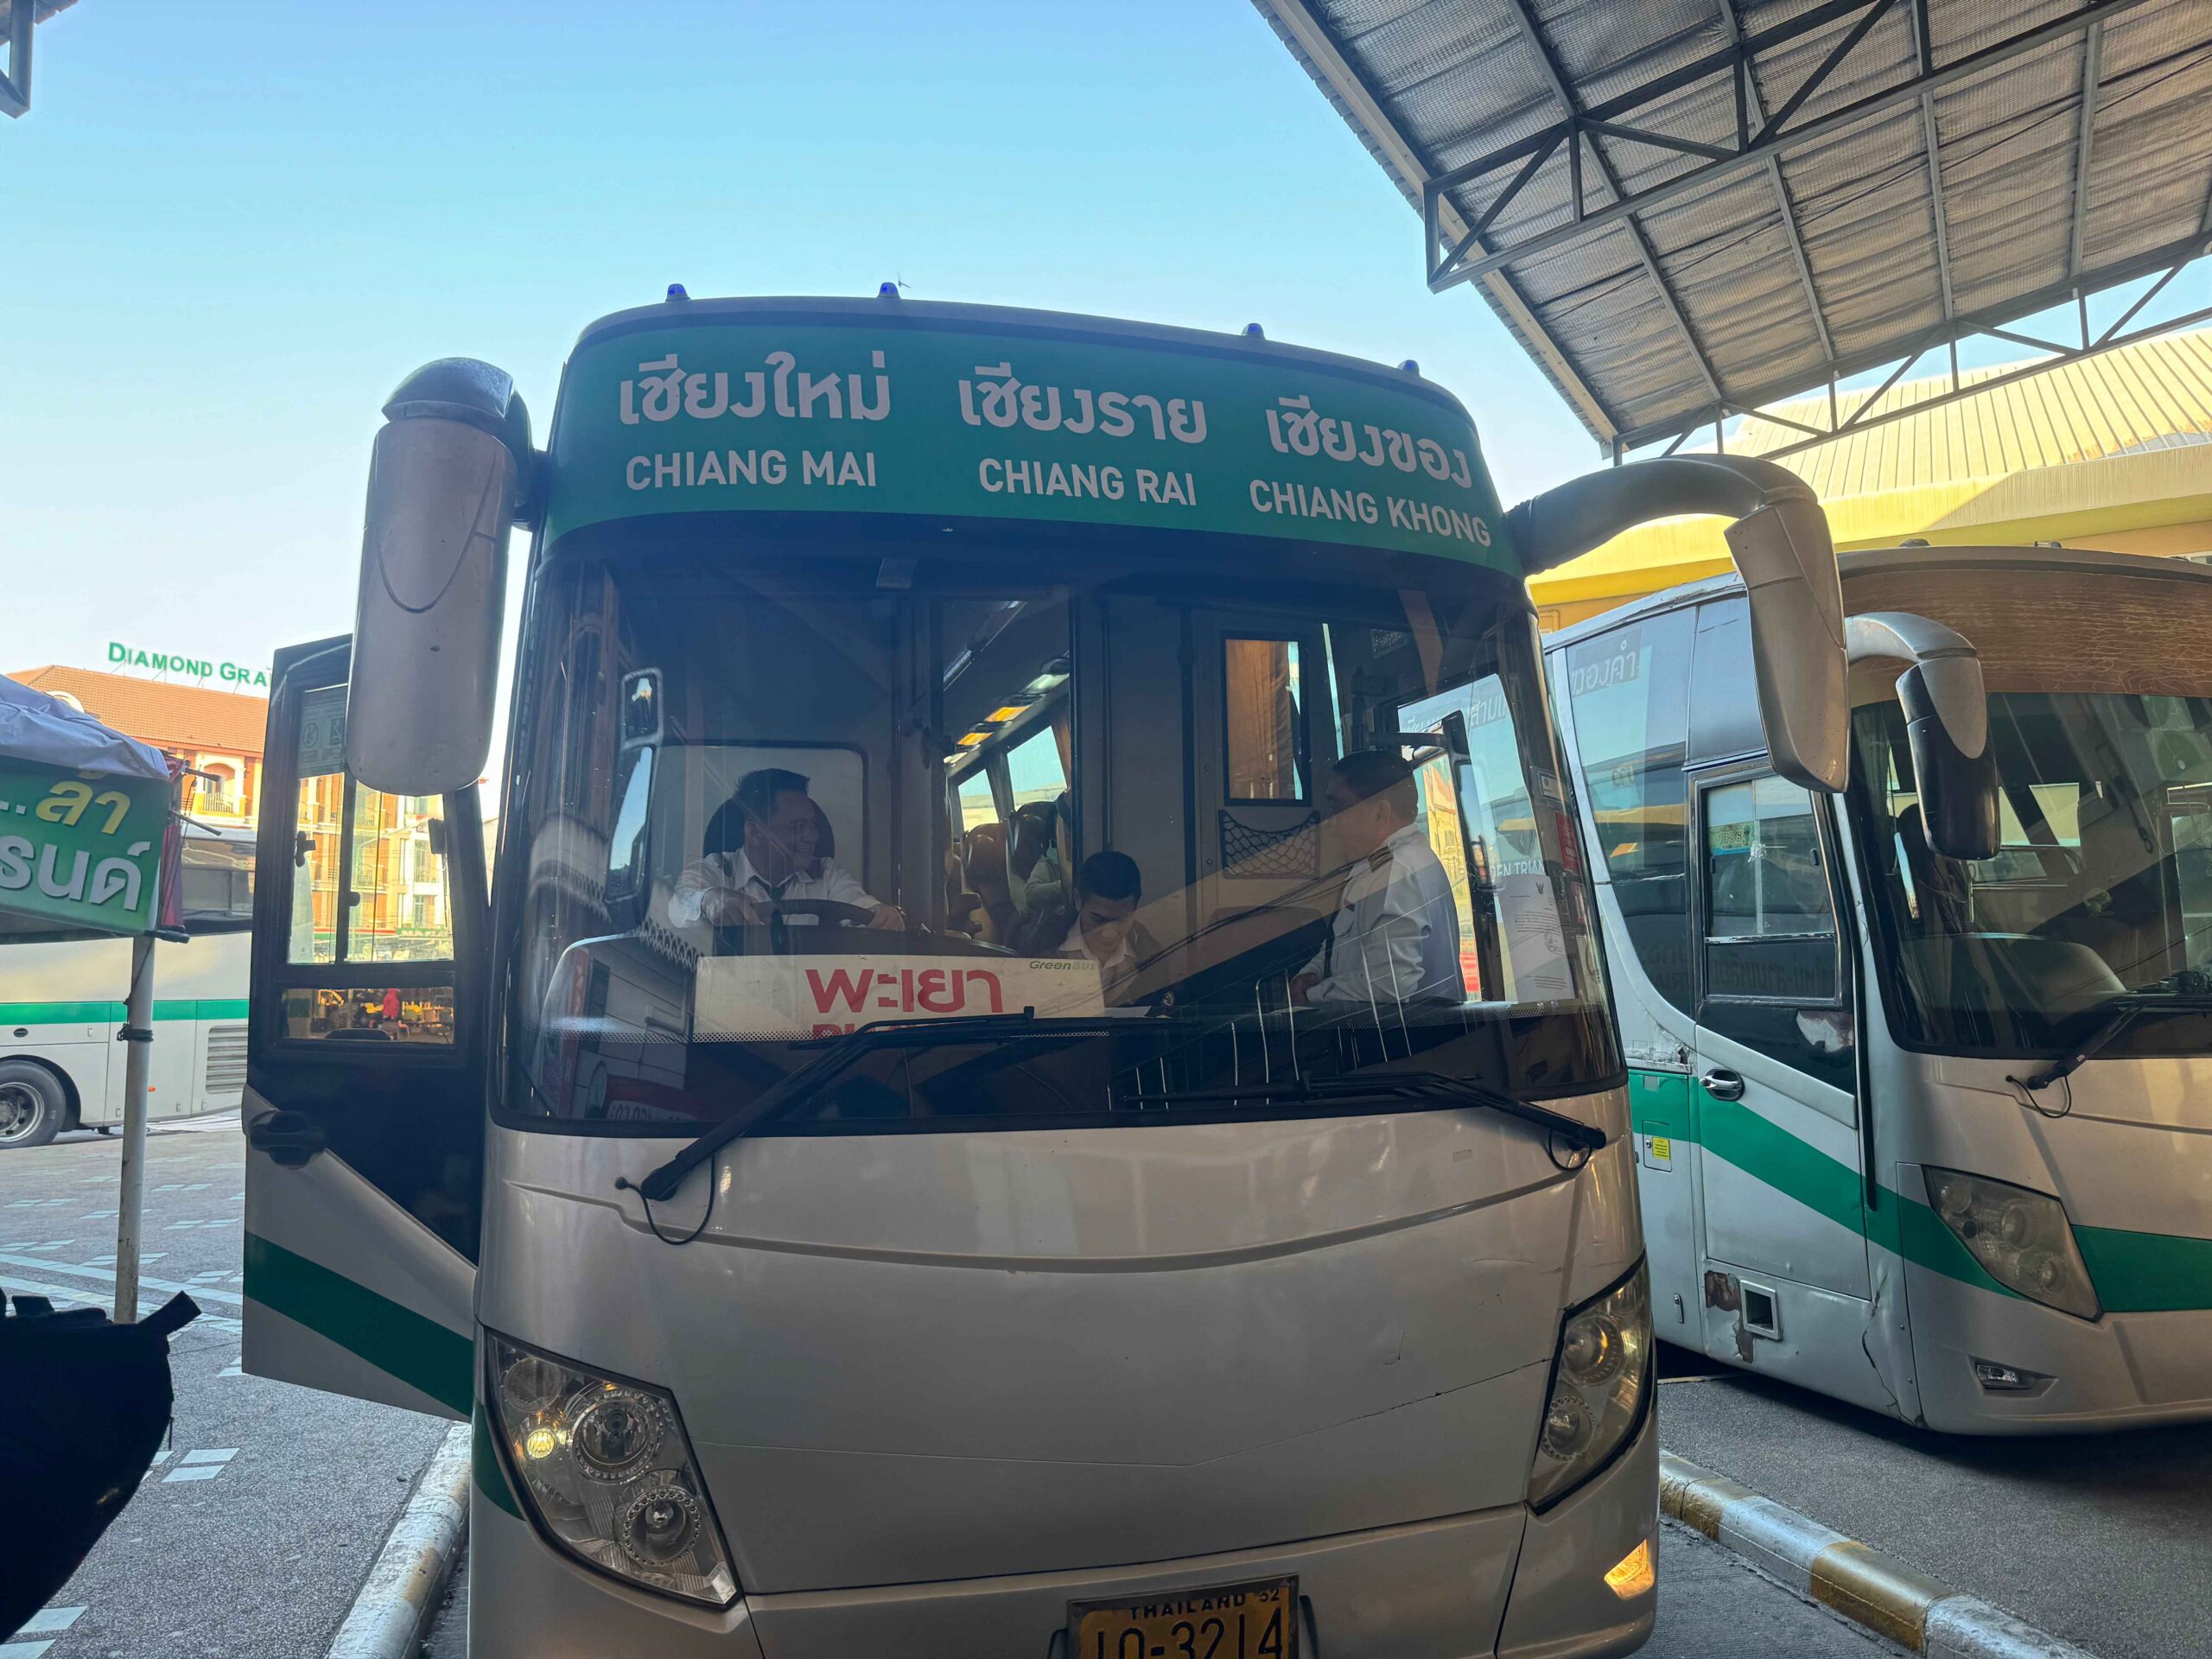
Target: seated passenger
x=778, y=859
x=1396, y=937
x=1103, y=926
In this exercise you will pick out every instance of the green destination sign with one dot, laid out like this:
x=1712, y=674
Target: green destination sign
x=121, y=654
x=79, y=850
x=756, y=412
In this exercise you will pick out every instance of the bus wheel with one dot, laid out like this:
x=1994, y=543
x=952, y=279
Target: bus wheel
x=32, y=1108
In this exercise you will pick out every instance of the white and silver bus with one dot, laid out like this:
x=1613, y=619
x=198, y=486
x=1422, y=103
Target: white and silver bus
x=841, y=1244
x=1929, y=1133
x=61, y=1005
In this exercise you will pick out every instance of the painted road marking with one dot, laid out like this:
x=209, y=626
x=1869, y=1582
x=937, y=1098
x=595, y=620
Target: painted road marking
x=107, y=1275
x=231, y=1369
x=86, y=1296
x=51, y=1621
x=200, y=1465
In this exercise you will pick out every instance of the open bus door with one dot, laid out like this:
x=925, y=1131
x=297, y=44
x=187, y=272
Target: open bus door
x=364, y=1085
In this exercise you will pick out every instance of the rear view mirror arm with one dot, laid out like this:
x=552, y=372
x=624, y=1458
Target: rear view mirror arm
x=1779, y=541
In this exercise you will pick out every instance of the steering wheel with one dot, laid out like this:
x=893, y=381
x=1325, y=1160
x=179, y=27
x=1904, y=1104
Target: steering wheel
x=825, y=912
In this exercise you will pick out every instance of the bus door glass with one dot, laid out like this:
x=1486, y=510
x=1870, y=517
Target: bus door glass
x=1775, y=1061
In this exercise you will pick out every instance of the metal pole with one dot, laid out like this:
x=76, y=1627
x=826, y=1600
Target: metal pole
x=138, y=1036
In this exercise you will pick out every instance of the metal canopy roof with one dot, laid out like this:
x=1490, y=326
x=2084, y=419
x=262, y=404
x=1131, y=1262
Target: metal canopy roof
x=1688, y=209
x=16, y=17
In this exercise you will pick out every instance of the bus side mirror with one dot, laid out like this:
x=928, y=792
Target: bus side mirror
x=1779, y=540
x=1789, y=568
x=447, y=477
x=1945, y=724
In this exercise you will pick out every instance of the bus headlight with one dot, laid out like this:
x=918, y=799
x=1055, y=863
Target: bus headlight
x=1601, y=1378
x=608, y=1474
x=2021, y=1238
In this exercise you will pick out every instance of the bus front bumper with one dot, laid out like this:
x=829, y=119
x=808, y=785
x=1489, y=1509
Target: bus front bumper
x=2122, y=1371
x=1499, y=1582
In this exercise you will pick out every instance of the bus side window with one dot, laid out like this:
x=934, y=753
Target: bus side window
x=1773, y=968
x=1630, y=690
x=1265, y=726
x=215, y=885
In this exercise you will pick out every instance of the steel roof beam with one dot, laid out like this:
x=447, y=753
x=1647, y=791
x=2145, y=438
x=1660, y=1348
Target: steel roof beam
x=1927, y=82
x=1563, y=90
x=15, y=84
x=1923, y=43
x=2166, y=259
x=1313, y=43
x=1748, y=102
x=2109, y=342
x=2092, y=57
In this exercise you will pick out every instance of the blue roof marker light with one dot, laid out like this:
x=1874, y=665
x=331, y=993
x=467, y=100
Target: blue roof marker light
x=676, y=291
x=1410, y=366
x=1253, y=331
x=886, y=290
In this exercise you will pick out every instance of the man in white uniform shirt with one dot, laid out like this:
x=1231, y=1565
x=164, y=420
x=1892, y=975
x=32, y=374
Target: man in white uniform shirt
x=1396, y=936
x=776, y=862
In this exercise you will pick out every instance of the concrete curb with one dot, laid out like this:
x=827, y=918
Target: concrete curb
x=1875, y=1590
x=394, y=1608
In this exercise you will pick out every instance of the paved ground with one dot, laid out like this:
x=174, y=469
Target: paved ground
x=2104, y=1540
x=254, y=1530
x=1710, y=1607
x=252, y=1534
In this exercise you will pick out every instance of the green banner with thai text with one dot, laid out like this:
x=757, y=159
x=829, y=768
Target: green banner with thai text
x=79, y=850
x=778, y=412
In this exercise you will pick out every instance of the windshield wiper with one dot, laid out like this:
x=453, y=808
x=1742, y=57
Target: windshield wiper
x=2115, y=1024
x=832, y=1061
x=1424, y=1086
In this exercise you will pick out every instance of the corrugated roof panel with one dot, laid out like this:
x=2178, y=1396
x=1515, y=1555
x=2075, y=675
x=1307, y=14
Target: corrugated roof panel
x=1458, y=83
x=2157, y=393
x=1870, y=234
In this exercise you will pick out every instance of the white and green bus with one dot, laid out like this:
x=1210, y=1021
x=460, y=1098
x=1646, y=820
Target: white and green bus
x=61, y=1005
x=836, y=1252
x=1928, y=1132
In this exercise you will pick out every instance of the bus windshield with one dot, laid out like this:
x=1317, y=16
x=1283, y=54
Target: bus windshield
x=761, y=803
x=2099, y=898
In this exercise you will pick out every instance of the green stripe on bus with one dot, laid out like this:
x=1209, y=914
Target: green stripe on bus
x=1773, y=1155
x=58, y=1014
x=83, y=1013
x=396, y=1341
x=2147, y=1273
x=2133, y=1273
x=484, y=1463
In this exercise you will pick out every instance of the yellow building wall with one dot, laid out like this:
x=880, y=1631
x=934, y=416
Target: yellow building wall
x=2109, y=452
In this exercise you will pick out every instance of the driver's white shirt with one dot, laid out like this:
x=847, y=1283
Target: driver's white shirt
x=734, y=873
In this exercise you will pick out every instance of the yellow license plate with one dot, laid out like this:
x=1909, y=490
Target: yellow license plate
x=1257, y=1620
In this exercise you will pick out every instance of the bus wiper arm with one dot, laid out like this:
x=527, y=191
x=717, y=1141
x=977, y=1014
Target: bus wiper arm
x=1393, y=1085
x=829, y=1064
x=2103, y=1035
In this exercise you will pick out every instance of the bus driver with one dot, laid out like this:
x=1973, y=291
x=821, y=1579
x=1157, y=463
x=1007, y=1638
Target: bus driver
x=776, y=861
x=1396, y=936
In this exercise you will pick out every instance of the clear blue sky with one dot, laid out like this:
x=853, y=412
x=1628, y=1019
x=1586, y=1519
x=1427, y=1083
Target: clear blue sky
x=231, y=228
